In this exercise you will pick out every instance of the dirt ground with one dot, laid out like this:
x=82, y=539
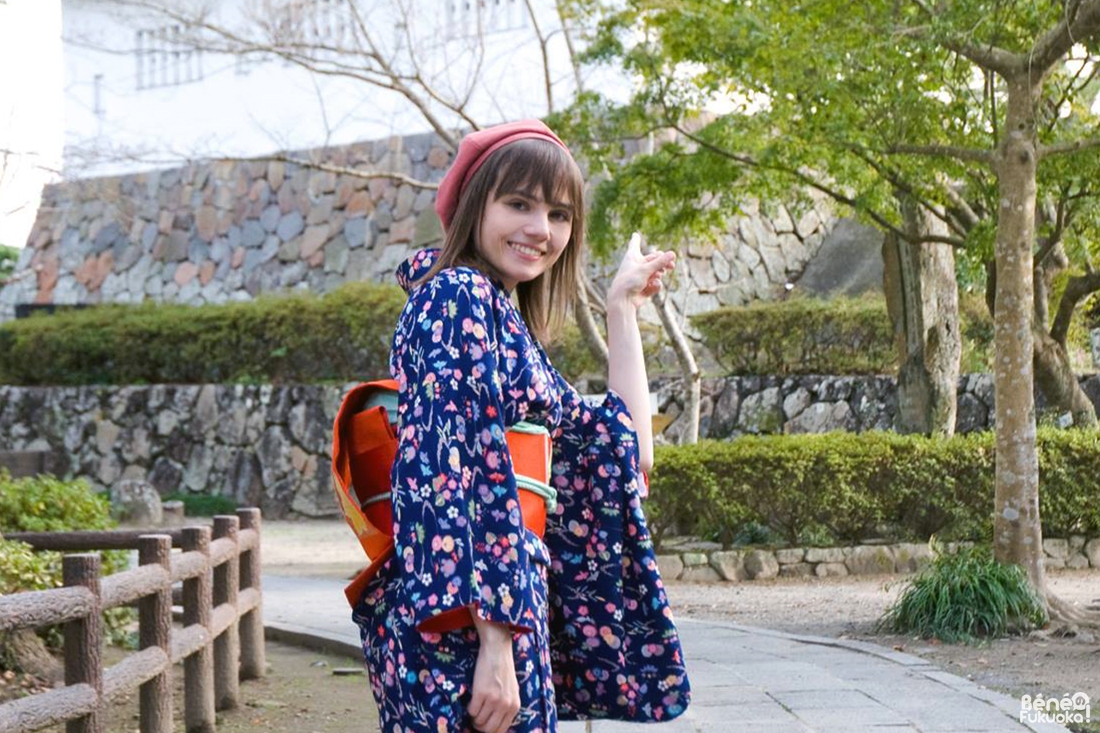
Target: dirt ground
x=302, y=693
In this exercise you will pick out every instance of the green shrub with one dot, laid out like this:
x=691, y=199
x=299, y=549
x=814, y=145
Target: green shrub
x=23, y=569
x=839, y=336
x=801, y=336
x=204, y=505
x=344, y=335
x=46, y=504
x=852, y=487
x=963, y=595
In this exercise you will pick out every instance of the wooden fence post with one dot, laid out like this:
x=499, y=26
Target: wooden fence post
x=227, y=645
x=83, y=636
x=155, y=628
x=253, y=657
x=198, y=669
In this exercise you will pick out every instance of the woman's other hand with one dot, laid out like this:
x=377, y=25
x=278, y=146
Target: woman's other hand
x=494, y=699
x=639, y=275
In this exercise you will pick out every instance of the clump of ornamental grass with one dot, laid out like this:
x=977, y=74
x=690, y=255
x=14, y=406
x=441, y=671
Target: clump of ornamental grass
x=965, y=595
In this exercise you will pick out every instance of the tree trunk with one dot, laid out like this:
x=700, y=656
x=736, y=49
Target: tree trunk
x=1053, y=372
x=922, y=297
x=1017, y=533
x=1058, y=383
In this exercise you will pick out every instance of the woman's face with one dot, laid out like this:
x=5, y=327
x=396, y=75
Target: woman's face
x=521, y=236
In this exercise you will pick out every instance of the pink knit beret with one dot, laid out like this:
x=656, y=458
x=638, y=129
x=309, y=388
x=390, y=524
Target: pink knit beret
x=474, y=150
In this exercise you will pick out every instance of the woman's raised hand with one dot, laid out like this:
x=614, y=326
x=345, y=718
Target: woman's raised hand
x=639, y=275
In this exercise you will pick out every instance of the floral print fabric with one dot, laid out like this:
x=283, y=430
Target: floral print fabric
x=467, y=369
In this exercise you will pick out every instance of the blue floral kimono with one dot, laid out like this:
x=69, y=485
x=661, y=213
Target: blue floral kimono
x=593, y=635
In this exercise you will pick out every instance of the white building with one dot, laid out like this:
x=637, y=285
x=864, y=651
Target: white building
x=30, y=110
x=149, y=83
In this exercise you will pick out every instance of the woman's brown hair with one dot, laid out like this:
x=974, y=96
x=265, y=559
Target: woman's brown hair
x=526, y=166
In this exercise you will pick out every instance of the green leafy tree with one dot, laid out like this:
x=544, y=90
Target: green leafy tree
x=966, y=124
x=8, y=256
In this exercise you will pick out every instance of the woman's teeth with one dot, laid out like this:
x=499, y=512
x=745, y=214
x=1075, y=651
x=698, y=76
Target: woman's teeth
x=522, y=249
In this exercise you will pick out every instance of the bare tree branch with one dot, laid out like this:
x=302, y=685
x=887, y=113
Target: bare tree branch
x=693, y=377
x=338, y=169
x=1071, y=146
x=573, y=60
x=944, y=151
x=544, y=51
x=1075, y=27
x=1078, y=288
x=829, y=191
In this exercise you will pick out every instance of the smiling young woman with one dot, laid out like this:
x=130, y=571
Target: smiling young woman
x=478, y=622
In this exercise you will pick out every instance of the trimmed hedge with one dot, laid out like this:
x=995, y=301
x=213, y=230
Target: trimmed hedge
x=339, y=337
x=835, y=336
x=801, y=336
x=342, y=336
x=849, y=488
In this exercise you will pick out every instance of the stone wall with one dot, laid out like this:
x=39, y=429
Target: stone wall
x=261, y=445
x=707, y=561
x=269, y=446
x=217, y=232
x=733, y=406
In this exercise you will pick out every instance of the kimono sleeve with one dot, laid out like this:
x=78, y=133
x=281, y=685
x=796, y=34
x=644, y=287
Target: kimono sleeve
x=458, y=530
x=614, y=648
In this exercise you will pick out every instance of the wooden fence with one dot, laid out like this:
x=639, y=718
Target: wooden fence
x=221, y=642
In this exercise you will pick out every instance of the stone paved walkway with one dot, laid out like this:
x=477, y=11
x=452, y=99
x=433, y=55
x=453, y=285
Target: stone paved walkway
x=744, y=680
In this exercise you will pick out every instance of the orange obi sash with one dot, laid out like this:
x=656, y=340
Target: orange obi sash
x=364, y=444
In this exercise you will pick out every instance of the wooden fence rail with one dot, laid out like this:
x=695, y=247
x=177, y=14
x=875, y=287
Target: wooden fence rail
x=221, y=641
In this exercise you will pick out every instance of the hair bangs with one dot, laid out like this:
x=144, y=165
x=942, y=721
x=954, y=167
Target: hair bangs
x=539, y=169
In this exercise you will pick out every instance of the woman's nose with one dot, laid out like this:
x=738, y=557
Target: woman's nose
x=538, y=223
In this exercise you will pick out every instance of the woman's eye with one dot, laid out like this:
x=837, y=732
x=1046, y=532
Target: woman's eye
x=518, y=204
x=561, y=216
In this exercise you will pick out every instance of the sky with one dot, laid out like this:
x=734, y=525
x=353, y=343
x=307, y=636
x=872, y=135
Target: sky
x=31, y=110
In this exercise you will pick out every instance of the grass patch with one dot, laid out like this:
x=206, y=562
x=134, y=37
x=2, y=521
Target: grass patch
x=965, y=595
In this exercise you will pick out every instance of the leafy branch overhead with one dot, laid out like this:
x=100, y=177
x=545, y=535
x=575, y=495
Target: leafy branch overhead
x=854, y=101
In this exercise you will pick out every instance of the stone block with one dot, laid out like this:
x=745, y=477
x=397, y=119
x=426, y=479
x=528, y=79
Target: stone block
x=1056, y=548
x=106, y=436
x=290, y=226
x=692, y=559
x=796, y=402
x=1077, y=542
x=136, y=502
x=1054, y=563
x=730, y=564
x=791, y=555
x=670, y=566
x=701, y=574
x=831, y=570
x=797, y=570
x=824, y=554
x=313, y=240
x=1092, y=552
x=1077, y=561
x=761, y=412
x=911, y=556
x=870, y=560
x=761, y=565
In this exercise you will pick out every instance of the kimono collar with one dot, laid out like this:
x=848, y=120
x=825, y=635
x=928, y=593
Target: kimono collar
x=417, y=266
